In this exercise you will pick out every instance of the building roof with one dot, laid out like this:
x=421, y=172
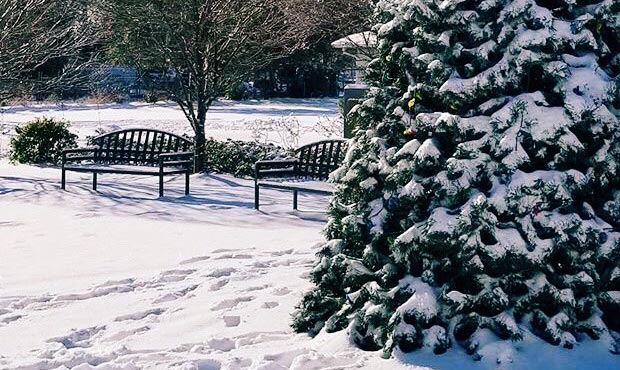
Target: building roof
x=366, y=39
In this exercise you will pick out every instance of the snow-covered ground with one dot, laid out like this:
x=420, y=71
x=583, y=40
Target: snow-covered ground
x=123, y=280
x=271, y=120
x=119, y=279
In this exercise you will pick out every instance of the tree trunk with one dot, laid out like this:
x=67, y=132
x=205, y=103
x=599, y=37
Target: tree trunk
x=200, y=139
x=199, y=149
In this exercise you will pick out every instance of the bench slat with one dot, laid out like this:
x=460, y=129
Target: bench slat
x=169, y=145
x=130, y=149
x=161, y=143
x=314, y=159
x=144, y=146
x=330, y=159
x=322, y=167
x=123, y=145
x=109, y=144
x=153, y=145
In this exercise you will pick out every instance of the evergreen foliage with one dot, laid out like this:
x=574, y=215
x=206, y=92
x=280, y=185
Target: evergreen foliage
x=482, y=191
x=238, y=157
x=41, y=141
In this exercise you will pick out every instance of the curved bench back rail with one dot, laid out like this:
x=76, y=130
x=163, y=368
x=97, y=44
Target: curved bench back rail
x=320, y=158
x=138, y=146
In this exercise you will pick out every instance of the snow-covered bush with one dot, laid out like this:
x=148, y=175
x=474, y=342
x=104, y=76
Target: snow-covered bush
x=284, y=130
x=41, y=141
x=240, y=91
x=481, y=195
x=238, y=157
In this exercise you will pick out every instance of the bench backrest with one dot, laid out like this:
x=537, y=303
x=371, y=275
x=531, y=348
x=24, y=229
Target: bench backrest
x=138, y=146
x=319, y=159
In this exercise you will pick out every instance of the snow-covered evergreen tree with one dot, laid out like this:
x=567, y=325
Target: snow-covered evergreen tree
x=482, y=191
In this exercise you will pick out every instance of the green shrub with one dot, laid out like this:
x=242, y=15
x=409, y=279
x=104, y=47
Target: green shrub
x=239, y=91
x=41, y=141
x=153, y=97
x=238, y=157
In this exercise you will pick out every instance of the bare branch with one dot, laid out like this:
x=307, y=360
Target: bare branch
x=34, y=33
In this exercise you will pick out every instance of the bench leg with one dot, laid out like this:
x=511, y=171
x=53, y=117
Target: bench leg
x=63, y=179
x=187, y=183
x=95, y=181
x=295, y=199
x=256, y=195
x=161, y=186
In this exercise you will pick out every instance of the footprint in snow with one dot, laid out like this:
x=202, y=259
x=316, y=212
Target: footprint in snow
x=78, y=338
x=110, y=283
x=270, y=305
x=124, y=334
x=94, y=293
x=199, y=365
x=230, y=303
x=141, y=315
x=238, y=364
x=234, y=256
x=225, y=250
x=222, y=344
x=282, y=253
x=281, y=291
x=172, y=276
x=194, y=259
x=218, y=284
x=27, y=302
x=10, y=223
x=10, y=319
x=255, y=288
x=221, y=272
x=263, y=264
x=258, y=337
x=232, y=321
x=175, y=295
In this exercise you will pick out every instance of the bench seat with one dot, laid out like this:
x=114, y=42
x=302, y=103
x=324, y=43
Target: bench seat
x=125, y=169
x=316, y=187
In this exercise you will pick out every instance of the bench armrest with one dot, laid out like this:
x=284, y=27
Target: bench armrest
x=180, y=159
x=78, y=154
x=276, y=168
x=81, y=150
x=176, y=156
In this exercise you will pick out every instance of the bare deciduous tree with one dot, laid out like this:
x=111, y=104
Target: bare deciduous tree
x=315, y=66
x=327, y=20
x=205, y=44
x=36, y=32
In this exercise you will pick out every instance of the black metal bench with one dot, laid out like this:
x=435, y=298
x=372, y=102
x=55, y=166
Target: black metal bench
x=133, y=152
x=314, y=161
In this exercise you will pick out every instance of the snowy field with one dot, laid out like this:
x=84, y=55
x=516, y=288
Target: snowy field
x=123, y=280
x=309, y=119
